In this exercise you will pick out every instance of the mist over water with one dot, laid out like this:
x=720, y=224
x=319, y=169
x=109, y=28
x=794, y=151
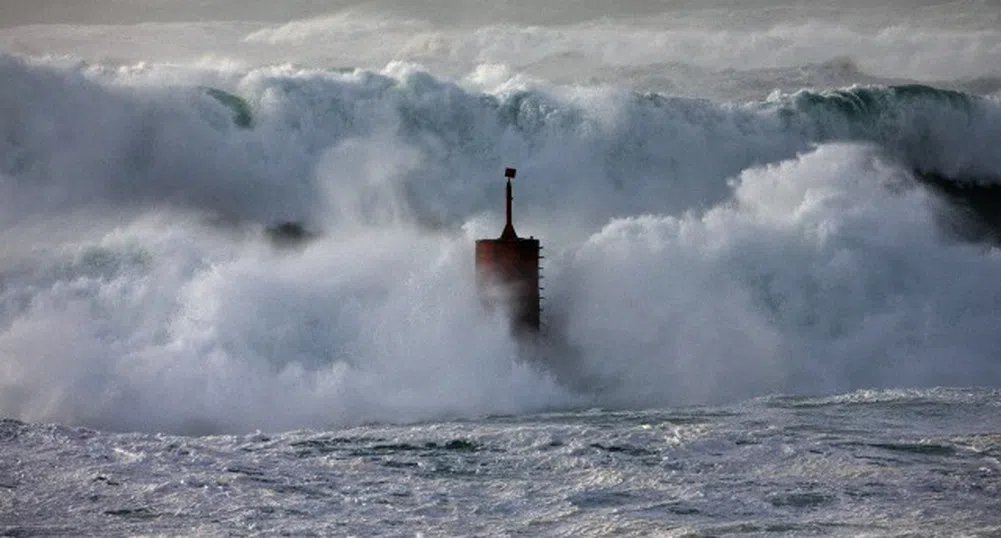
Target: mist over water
x=769, y=239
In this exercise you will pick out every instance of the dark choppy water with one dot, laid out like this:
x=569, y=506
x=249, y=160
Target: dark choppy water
x=873, y=463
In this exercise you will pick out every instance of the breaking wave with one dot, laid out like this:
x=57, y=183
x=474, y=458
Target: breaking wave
x=697, y=252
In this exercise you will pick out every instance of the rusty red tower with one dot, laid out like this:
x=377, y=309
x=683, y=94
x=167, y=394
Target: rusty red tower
x=507, y=271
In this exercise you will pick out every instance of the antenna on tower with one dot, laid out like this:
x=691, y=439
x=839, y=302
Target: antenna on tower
x=509, y=233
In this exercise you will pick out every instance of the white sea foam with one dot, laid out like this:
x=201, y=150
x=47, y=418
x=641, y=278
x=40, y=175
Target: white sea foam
x=696, y=251
x=694, y=50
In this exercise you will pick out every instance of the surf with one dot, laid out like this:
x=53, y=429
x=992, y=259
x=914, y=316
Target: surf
x=696, y=251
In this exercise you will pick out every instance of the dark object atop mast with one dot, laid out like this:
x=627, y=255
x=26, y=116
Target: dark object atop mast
x=509, y=233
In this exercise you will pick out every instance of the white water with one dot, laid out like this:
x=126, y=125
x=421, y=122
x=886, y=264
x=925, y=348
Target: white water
x=698, y=251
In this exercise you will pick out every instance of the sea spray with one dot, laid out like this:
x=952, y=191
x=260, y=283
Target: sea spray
x=696, y=252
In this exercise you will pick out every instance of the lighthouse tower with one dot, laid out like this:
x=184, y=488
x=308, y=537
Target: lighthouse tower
x=507, y=272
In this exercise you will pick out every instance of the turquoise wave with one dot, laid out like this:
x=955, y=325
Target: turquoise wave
x=242, y=115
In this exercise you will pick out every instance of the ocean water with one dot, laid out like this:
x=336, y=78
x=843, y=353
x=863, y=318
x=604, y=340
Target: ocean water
x=772, y=275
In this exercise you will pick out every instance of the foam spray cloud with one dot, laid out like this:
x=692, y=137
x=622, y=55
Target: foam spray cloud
x=698, y=252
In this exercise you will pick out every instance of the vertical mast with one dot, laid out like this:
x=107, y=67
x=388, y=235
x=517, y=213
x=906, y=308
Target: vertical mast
x=510, y=197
